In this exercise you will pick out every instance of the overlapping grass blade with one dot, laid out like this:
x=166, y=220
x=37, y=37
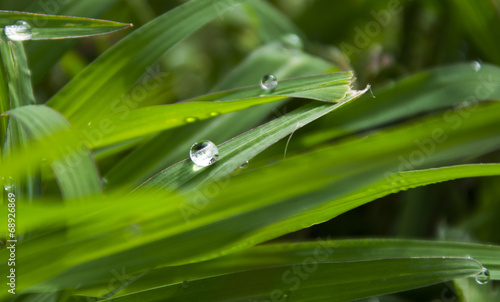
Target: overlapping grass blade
x=16, y=75
x=45, y=27
x=42, y=55
x=275, y=255
x=459, y=85
x=147, y=120
x=237, y=151
x=75, y=172
x=321, y=281
x=154, y=155
x=119, y=68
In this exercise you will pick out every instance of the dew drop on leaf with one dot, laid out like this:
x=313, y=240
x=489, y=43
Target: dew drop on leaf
x=292, y=42
x=244, y=165
x=483, y=277
x=269, y=82
x=204, y=153
x=19, y=31
x=185, y=283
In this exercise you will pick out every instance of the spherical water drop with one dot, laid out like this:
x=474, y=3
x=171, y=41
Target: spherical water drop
x=476, y=66
x=185, y=283
x=292, y=42
x=204, y=153
x=269, y=82
x=244, y=165
x=483, y=277
x=190, y=120
x=19, y=31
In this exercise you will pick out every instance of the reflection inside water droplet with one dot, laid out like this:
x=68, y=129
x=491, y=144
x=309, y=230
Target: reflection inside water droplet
x=19, y=31
x=483, y=277
x=244, y=165
x=204, y=153
x=269, y=82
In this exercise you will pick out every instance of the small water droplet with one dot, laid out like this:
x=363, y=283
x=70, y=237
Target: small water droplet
x=476, y=66
x=185, y=283
x=19, y=31
x=269, y=82
x=214, y=114
x=292, y=42
x=483, y=277
x=104, y=181
x=244, y=165
x=8, y=184
x=190, y=120
x=204, y=153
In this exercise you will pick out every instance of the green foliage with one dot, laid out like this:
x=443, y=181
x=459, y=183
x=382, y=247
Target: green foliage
x=109, y=207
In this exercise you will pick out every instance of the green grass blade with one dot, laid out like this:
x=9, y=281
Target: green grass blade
x=43, y=55
x=19, y=93
x=154, y=156
x=46, y=27
x=273, y=24
x=423, y=92
x=143, y=121
x=75, y=173
x=274, y=255
x=313, y=280
x=119, y=68
x=237, y=151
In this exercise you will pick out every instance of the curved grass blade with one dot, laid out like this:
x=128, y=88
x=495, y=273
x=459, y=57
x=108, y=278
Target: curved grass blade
x=235, y=152
x=283, y=198
x=147, y=120
x=43, y=55
x=313, y=280
x=19, y=93
x=439, y=88
x=75, y=172
x=152, y=156
x=47, y=27
x=119, y=68
x=272, y=23
x=274, y=255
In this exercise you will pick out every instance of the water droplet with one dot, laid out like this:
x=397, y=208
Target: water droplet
x=185, y=283
x=483, y=277
x=292, y=42
x=19, y=31
x=204, y=153
x=8, y=184
x=190, y=120
x=269, y=82
x=104, y=181
x=476, y=66
x=214, y=114
x=244, y=165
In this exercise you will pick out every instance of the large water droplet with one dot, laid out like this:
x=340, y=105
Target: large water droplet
x=19, y=31
x=476, y=66
x=483, y=277
x=269, y=82
x=204, y=153
x=292, y=42
x=185, y=283
x=244, y=165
